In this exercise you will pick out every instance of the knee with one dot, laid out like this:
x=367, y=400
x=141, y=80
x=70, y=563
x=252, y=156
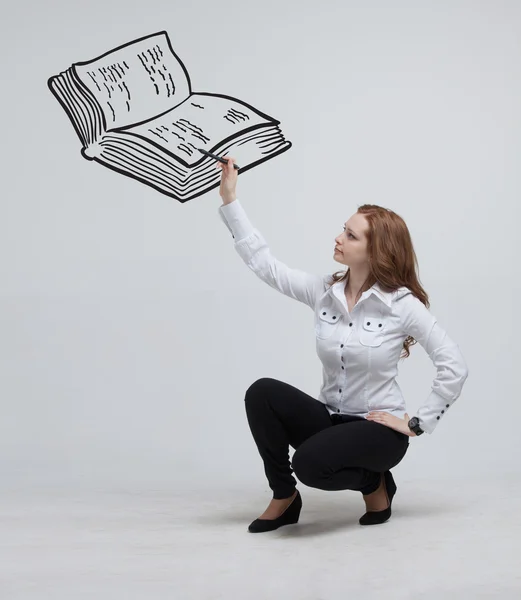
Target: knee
x=258, y=389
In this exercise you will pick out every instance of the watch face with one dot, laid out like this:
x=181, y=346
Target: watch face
x=414, y=425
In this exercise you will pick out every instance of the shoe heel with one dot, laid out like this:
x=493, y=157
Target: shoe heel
x=390, y=485
x=294, y=510
x=289, y=517
x=381, y=516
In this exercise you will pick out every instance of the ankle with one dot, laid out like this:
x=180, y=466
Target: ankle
x=377, y=496
x=286, y=498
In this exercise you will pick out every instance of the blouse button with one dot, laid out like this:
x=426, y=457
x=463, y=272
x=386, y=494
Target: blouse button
x=342, y=368
x=334, y=317
x=350, y=324
x=341, y=345
x=323, y=313
x=446, y=406
x=369, y=322
x=442, y=411
x=379, y=324
x=340, y=390
x=438, y=418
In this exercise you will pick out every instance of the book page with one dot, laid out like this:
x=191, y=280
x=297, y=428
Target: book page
x=137, y=81
x=202, y=121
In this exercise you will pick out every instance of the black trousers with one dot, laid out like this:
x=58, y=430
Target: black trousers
x=332, y=452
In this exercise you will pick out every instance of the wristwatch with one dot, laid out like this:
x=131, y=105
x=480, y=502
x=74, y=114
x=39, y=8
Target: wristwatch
x=414, y=425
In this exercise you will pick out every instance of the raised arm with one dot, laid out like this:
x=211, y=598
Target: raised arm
x=445, y=354
x=255, y=252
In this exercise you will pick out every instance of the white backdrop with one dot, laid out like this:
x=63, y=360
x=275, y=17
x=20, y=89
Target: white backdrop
x=131, y=329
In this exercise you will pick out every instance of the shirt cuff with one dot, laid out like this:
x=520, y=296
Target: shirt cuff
x=432, y=411
x=236, y=219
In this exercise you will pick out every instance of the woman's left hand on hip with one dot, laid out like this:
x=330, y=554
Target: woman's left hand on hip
x=391, y=421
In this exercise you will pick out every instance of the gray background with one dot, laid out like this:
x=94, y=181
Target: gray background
x=130, y=328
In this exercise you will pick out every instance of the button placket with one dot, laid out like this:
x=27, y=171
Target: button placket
x=342, y=345
x=343, y=369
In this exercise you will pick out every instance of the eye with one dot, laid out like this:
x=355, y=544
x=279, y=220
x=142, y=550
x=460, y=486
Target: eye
x=349, y=234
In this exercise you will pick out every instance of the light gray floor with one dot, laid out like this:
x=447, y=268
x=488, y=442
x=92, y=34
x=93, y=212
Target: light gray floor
x=441, y=541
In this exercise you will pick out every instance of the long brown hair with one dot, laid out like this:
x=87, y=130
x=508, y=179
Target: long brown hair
x=392, y=259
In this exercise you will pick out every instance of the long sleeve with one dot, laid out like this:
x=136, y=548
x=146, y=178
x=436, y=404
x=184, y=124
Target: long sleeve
x=254, y=251
x=445, y=354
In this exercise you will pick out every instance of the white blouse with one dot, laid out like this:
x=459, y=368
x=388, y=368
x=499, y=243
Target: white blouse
x=359, y=350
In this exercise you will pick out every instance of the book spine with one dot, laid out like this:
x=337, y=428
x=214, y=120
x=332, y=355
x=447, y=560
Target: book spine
x=81, y=107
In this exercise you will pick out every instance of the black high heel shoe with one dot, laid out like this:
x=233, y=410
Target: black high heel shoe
x=288, y=517
x=380, y=516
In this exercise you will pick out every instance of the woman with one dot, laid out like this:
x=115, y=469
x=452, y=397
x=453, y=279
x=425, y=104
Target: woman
x=358, y=428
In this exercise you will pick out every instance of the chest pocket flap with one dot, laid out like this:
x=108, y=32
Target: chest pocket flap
x=327, y=322
x=329, y=316
x=372, y=330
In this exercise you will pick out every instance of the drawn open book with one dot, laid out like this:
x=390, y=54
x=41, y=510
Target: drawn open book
x=134, y=111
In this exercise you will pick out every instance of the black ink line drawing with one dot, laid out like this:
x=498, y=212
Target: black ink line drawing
x=134, y=111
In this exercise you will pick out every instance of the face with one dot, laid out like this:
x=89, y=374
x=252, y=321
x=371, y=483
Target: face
x=351, y=244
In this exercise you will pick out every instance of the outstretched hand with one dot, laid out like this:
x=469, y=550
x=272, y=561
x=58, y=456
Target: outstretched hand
x=228, y=180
